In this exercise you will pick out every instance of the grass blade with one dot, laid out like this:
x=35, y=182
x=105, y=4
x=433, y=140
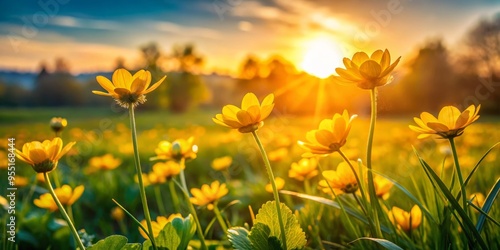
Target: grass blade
x=492, y=195
x=468, y=225
x=383, y=242
x=332, y=204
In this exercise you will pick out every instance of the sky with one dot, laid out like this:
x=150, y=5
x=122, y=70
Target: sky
x=92, y=34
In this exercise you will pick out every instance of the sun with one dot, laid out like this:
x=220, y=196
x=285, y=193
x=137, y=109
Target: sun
x=321, y=57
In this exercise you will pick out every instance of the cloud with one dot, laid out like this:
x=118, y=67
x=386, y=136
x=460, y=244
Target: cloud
x=177, y=29
x=72, y=22
x=87, y=57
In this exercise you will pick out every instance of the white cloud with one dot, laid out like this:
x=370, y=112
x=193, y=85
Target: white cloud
x=72, y=22
x=188, y=31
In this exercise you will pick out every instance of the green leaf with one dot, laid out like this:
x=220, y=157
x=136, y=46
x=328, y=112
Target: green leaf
x=185, y=229
x=238, y=236
x=168, y=237
x=259, y=236
x=385, y=243
x=110, y=242
x=492, y=195
x=295, y=236
x=132, y=246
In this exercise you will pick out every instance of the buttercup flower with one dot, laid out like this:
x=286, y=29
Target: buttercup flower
x=105, y=162
x=177, y=150
x=382, y=187
x=127, y=89
x=117, y=214
x=450, y=122
x=208, y=194
x=4, y=203
x=43, y=156
x=367, y=72
x=278, y=154
x=280, y=184
x=406, y=220
x=166, y=170
x=222, y=163
x=66, y=195
x=306, y=168
x=251, y=115
x=330, y=136
x=57, y=124
x=158, y=225
x=342, y=180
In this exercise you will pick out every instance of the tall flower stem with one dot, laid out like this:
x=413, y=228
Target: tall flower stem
x=192, y=210
x=159, y=200
x=173, y=194
x=459, y=173
x=182, y=162
x=273, y=184
x=218, y=215
x=63, y=212
x=371, y=186
x=138, y=169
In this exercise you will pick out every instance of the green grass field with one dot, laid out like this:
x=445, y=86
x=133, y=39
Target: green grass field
x=103, y=130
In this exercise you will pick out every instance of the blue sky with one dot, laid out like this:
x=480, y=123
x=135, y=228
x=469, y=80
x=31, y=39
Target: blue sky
x=92, y=34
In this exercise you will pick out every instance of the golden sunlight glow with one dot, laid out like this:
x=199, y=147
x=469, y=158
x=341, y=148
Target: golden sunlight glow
x=321, y=57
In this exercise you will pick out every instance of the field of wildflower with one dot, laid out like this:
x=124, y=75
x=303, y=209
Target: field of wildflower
x=246, y=178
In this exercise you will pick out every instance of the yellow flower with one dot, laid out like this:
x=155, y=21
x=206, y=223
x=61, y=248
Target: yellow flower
x=105, y=162
x=367, y=72
x=342, y=180
x=4, y=203
x=330, y=136
x=449, y=123
x=306, y=168
x=57, y=124
x=66, y=195
x=158, y=225
x=278, y=154
x=280, y=184
x=21, y=181
x=127, y=89
x=222, y=163
x=406, y=220
x=166, y=170
x=117, y=214
x=208, y=194
x=251, y=115
x=43, y=156
x=177, y=150
x=382, y=187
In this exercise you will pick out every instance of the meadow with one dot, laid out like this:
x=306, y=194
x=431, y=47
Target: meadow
x=101, y=131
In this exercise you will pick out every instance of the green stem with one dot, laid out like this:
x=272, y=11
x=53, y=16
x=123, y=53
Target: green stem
x=218, y=215
x=122, y=226
x=70, y=213
x=183, y=177
x=193, y=212
x=459, y=174
x=273, y=184
x=173, y=194
x=142, y=190
x=360, y=185
x=159, y=200
x=63, y=212
x=371, y=186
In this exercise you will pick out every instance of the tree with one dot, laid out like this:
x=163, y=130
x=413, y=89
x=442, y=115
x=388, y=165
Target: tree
x=482, y=47
x=187, y=58
x=250, y=68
